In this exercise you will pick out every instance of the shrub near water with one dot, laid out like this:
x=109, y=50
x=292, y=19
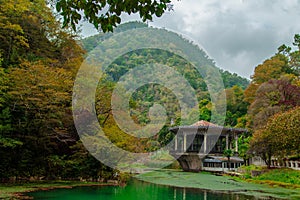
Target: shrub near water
x=247, y=170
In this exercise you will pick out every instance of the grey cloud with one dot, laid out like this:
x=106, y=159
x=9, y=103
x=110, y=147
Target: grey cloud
x=237, y=34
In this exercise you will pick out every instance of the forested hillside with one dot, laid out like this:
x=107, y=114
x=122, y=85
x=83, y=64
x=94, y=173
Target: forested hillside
x=146, y=96
x=230, y=79
x=38, y=64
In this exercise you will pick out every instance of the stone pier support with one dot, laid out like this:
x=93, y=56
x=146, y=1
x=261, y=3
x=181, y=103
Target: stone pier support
x=190, y=163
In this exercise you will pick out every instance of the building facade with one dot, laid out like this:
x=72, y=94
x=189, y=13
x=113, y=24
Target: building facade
x=201, y=146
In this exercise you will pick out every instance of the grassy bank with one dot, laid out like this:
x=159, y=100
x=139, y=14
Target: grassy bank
x=14, y=191
x=283, y=177
x=209, y=181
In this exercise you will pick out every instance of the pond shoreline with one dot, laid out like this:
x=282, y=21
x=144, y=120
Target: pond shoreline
x=216, y=183
x=173, y=178
x=20, y=191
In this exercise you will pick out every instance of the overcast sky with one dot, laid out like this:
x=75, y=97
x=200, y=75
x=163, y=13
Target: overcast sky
x=237, y=34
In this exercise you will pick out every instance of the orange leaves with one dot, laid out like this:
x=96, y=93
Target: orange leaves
x=285, y=130
x=271, y=69
x=281, y=136
x=272, y=92
x=36, y=88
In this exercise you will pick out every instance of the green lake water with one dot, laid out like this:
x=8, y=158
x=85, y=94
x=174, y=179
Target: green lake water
x=175, y=185
x=135, y=190
x=138, y=190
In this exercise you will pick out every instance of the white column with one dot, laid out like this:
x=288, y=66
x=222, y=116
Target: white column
x=222, y=166
x=184, y=142
x=205, y=143
x=227, y=142
x=236, y=143
x=176, y=143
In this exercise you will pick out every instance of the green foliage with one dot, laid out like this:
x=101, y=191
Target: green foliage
x=281, y=175
x=12, y=34
x=205, y=109
x=146, y=96
x=3, y=85
x=273, y=91
x=284, y=128
x=293, y=57
x=231, y=80
x=252, y=167
x=158, y=94
x=30, y=31
x=236, y=107
x=9, y=143
x=5, y=121
x=91, y=42
x=244, y=144
x=274, y=86
x=228, y=153
x=38, y=63
x=41, y=97
x=70, y=10
x=280, y=136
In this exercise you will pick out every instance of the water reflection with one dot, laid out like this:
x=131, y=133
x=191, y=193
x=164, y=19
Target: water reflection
x=138, y=190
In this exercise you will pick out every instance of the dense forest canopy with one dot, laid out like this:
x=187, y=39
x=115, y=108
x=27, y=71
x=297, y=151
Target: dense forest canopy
x=230, y=79
x=39, y=61
x=150, y=94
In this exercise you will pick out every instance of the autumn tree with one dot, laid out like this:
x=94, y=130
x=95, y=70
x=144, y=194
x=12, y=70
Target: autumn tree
x=30, y=31
x=272, y=97
x=274, y=86
x=12, y=39
x=280, y=136
x=272, y=68
x=284, y=128
x=41, y=96
x=38, y=64
x=274, y=90
x=261, y=145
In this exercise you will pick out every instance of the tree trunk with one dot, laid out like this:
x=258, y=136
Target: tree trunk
x=228, y=163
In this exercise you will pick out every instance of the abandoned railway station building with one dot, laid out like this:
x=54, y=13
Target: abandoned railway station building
x=202, y=146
